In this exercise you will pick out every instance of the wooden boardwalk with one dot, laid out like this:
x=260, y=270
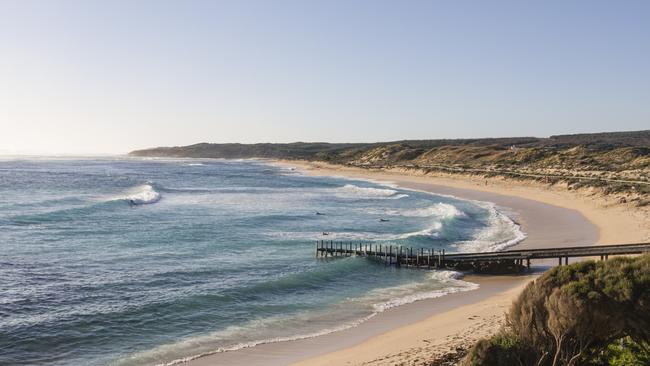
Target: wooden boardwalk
x=507, y=261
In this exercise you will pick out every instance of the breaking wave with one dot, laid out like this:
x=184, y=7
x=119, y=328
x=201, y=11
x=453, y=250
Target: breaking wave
x=431, y=231
x=501, y=233
x=379, y=300
x=142, y=194
x=369, y=192
x=440, y=210
x=452, y=280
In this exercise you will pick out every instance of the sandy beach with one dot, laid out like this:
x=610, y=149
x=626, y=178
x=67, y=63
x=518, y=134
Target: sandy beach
x=429, y=330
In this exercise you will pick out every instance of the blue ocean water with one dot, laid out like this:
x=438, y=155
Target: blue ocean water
x=126, y=261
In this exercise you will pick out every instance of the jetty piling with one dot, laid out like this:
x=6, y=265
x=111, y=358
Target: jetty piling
x=508, y=261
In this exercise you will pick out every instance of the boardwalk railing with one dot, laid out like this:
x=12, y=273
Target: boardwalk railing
x=390, y=254
x=503, y=261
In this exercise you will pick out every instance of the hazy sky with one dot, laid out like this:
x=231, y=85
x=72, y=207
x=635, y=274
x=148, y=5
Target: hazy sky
x=111, y=76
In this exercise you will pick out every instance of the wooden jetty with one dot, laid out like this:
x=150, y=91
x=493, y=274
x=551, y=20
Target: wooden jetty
x=507, y=261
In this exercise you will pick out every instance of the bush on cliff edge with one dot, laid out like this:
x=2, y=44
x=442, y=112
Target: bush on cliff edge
x=579, y=314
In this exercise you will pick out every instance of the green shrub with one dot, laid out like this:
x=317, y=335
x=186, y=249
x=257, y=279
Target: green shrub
x=626, y=352
x=621, y=352
x=500, y=350
x=572, y=313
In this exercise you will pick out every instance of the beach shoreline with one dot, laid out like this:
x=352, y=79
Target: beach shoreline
x=403, y=335
x=616, y=223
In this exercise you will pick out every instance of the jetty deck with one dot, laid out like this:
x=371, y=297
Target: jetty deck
x=507, y=261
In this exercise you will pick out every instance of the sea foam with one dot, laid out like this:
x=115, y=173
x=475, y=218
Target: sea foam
x=501, y=232
x=142, y=194
x=432, y=231
x=439, y=210
x=395, y=296
x=452, y=281
x=369, y=192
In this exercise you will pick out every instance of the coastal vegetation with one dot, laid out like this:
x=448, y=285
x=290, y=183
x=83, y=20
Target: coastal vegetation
x=587, y=313
x=616, y=162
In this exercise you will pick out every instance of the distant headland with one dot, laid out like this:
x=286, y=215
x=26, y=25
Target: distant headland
x=617, y=162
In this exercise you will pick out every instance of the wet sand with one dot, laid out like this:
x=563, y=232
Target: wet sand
x=283, y=353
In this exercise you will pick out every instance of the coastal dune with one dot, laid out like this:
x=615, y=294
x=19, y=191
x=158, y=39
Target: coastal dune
x=433, y=329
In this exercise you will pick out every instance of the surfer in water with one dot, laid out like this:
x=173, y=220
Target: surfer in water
x=318, y=213
x=384, y=220
x=132, y=203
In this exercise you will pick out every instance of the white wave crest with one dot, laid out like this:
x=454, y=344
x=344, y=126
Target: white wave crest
x=439, y=210
x=198, y=342
x=452, y=280
x=143, y=194
x=433, y=231
x=369, y=192
x=502, y=232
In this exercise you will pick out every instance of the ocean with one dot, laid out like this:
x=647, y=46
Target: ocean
x=125, y=261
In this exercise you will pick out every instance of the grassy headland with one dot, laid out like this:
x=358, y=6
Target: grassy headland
x=614, y=162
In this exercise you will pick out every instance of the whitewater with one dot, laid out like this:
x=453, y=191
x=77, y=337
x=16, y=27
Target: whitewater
x=148, y=261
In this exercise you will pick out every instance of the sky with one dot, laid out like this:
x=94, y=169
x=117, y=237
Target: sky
x=107, y=77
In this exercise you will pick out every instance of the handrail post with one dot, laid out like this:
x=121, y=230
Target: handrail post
x=399, y=257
